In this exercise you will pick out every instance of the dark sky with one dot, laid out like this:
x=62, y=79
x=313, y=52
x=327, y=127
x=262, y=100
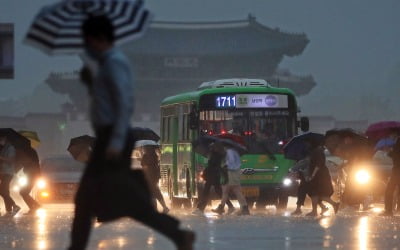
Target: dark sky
x=353, y=51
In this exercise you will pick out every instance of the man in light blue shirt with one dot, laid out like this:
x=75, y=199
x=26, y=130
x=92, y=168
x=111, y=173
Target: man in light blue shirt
x=232, y=164
x=112, y=97
x=111, y=94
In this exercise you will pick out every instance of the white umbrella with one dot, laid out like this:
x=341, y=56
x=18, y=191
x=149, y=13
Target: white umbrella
x=57, y=27
x=142, y=143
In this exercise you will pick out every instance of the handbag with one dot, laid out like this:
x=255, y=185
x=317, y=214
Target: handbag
x=122, y=193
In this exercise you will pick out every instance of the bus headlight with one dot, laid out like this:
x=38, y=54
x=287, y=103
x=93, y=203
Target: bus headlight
x=362, y=176
x=201, y=176
x=287, y=182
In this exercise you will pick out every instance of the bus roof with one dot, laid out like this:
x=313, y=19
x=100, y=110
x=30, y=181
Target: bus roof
x=195, y=95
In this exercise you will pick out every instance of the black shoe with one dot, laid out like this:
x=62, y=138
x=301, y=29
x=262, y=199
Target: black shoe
x=187, y=240
x=323, y=210
x=244, y=211
x=15, y=210
x=312, y=213
x=296, y=212
x=219, y=210
x=30, y=212
x=336, y=207
x=165, y=210
x=198, y=211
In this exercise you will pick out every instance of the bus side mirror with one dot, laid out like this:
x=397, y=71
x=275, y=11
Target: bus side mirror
x=304, y=124
x=193, y=119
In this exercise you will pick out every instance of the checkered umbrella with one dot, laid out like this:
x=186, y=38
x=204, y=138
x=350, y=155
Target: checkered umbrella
x=57, y=27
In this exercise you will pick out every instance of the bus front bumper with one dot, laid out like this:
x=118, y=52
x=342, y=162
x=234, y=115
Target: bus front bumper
x=288, y=188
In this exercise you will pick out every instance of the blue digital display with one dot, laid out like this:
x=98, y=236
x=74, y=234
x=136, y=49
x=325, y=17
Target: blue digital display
x=225, y=101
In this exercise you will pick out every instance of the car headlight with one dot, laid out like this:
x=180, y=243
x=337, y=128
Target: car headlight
x=287, y=182
x=41, y=183
x=362, y=176
x=22, y=181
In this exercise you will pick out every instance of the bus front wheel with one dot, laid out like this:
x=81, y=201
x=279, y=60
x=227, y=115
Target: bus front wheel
x=282, y=201
x=175, y=202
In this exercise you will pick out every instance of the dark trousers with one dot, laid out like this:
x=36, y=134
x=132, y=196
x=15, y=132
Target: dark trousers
x=156, y=192
x=204, y=198
x=84, y=205
x=25, y=193
x=301, y=193
x=394, y=182
x=5, y=180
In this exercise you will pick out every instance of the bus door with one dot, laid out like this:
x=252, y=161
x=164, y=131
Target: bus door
x=184, y=148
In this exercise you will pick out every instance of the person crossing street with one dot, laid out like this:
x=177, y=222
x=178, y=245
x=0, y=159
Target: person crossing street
x=7, y=169
x=232, y=184
x=111, y=94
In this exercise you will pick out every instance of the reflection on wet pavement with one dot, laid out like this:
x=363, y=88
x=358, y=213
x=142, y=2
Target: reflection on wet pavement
x=50, y=228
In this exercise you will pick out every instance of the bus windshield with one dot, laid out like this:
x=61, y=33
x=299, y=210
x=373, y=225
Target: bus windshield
x=262, y=130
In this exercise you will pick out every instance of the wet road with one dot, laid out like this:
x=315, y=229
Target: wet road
x=263, y=230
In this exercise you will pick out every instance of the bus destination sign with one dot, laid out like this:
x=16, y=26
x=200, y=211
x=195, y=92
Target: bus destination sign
x=261, y=101
x=251, y=101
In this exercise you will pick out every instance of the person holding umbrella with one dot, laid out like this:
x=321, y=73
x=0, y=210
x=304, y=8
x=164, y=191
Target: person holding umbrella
x=111, y=95
x=212, y=176
x=381, y=159
x=232, y=184
x=29, y=160
x=299, y=149
x=151, y=167
x=301, y=168
x=356, y=150
x=7, y=169
x=319, y=182
x=394, y=180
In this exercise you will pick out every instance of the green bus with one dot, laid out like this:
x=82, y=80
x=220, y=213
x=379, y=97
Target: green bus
x=265, y=117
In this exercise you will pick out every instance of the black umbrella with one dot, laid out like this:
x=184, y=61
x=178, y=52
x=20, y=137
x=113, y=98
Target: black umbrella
x=299, y=146
x=57, y=27
x=144, y=134
x=202, y=145
x=350, y=142
x=80, y=147
x=19, y=141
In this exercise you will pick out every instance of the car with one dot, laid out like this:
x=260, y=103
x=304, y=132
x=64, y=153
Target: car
x=59, y=180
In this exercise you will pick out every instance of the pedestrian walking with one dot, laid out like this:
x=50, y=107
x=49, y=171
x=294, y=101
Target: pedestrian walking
x=212, y=177
x=7, y=169
x=29, y=161
x=232, y=184
x=301, y=168
x=151, y=168
x=354, y=195
x=111, y=95
x=319, y=182
x=356, y=150
x=394, y=180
